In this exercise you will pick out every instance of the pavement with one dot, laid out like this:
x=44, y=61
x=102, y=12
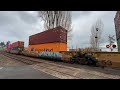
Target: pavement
x=23, y=72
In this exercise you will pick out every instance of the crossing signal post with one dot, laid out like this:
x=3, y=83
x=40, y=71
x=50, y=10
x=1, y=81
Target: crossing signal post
x=111, y=43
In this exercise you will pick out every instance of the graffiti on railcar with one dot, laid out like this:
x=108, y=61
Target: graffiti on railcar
x=53, y=54
x=45, y=49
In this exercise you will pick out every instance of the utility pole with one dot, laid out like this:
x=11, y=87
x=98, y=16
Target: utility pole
x=96, y=38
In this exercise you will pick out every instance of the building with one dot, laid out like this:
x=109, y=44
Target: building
x=54, y=40
x=117, y=28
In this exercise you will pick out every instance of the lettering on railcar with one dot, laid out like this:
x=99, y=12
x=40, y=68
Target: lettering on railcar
x=45, y=49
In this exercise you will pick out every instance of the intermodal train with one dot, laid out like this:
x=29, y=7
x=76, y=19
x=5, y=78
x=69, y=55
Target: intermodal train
x=50, y=44
x=104, y=59
x=67, y=56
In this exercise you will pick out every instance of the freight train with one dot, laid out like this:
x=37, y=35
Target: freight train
x=67, y=56
x=16, y=47
x=104, y=59
x=50, y=44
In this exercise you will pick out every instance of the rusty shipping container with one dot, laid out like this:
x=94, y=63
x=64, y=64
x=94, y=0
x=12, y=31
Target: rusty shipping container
x=18, y=44
x=57, y=34
x=53, y=40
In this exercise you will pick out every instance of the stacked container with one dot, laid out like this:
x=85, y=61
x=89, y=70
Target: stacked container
x=53, y=40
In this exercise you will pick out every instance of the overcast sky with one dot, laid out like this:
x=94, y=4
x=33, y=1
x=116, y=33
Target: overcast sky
x=19, y=25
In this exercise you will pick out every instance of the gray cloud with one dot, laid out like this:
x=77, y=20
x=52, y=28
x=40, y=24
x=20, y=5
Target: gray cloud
x=18, y=25
x=77, y=14
x=7, y=18
x=27, y=17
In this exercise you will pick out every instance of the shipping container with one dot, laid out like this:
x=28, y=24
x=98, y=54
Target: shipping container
x=51, y=47
x=18, y=44
x=57, y=34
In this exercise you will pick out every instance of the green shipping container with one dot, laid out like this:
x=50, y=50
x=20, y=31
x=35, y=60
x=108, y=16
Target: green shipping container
x=118, y=43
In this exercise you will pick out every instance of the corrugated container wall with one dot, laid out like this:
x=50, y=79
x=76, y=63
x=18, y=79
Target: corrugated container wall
x=51, y=47
x=57, y=34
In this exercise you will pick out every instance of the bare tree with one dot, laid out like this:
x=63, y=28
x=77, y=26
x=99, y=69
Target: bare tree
x=96, y=33
x=54, y=19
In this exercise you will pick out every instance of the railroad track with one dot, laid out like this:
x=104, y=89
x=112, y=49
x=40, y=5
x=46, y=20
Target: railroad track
x=45, y=66
x=24, y=60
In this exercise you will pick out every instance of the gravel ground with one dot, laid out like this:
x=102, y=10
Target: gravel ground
x=23, y=72
x=5, y=61
x=12, y=69
x=98, y=69
x=65, y=72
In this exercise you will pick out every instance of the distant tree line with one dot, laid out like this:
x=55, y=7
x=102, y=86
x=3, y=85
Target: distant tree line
x=3, y=44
